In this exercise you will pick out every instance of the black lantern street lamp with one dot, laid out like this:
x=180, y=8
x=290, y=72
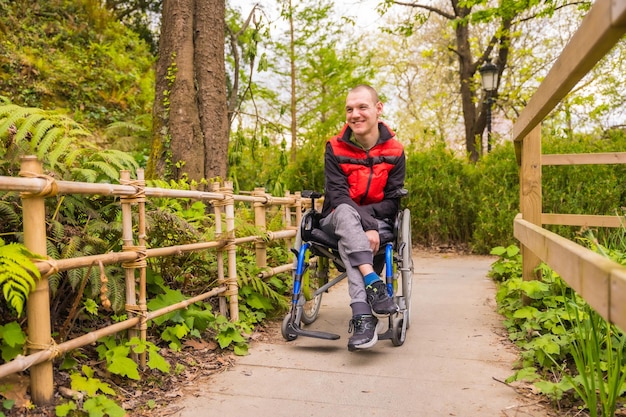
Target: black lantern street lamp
x=489, y=79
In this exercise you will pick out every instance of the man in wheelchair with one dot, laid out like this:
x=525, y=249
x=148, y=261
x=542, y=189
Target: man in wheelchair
x=364, y=179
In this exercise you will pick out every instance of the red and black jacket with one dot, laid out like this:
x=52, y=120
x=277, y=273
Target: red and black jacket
x=370, y=181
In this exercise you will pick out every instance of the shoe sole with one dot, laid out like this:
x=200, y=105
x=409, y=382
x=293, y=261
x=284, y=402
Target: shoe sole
x=385, y=313
x=369, y=344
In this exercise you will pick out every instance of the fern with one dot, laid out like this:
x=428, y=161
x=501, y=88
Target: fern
x=85, y=175
x=117, y=289
x=9, y=215
x=40, y=132
x=44, y=135
x=18, y=274
x=61, y=149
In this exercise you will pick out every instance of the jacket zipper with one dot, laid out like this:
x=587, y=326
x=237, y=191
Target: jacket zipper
x=369, y=180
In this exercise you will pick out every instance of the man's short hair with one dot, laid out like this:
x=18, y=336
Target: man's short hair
x=369, y=88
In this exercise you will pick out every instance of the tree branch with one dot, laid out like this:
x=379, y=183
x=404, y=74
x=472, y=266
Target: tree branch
x=562, y=6
x=426, y=7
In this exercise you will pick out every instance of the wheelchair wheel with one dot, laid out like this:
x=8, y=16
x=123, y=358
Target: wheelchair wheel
x=407, y=262
x=313, y=278
x=317, y=275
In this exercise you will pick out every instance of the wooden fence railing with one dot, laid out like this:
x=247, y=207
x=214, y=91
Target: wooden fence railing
x=601, y=282
x=36, y=187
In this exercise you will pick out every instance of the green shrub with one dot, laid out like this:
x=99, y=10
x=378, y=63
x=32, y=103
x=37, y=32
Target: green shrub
x=441, y=196
x=497, y=199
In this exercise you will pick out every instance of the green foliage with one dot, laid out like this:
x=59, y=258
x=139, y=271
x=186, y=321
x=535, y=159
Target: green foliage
x=584, y=189
x=496, y=197
x=118, y=360
x=455, y=202
x=100, y=405
x=258, y=296
x=78, y=225
x=194, y=320
x=97, y=403
x=18, y=274
x=566, y=347
x=12, y=340
x=63, y=146
x=6, y=405
x=88, y=384
x=442, y=207
x=74, y=55
x=598, y=354
x=230, y=334
x=248, y=157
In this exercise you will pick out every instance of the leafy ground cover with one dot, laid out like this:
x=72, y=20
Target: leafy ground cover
x=568, y=353
x=197, y=360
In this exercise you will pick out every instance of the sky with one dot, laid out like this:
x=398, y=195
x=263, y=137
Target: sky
x=363, y=11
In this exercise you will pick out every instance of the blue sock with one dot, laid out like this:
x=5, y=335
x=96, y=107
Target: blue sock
x=371, y=278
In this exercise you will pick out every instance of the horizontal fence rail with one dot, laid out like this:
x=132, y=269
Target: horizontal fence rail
x=34, y=187
x=583, y=220
x=599, y=280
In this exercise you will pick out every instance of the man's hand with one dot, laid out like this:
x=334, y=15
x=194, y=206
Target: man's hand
x=374, y=238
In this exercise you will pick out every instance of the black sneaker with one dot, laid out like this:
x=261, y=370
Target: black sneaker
x=379, y=299
x=365, y=336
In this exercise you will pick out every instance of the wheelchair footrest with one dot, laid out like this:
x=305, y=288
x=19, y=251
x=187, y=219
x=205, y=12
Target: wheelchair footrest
x=386, y=335
x=311, y=333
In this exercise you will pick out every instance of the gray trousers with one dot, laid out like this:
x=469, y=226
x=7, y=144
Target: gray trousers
x=344, y=223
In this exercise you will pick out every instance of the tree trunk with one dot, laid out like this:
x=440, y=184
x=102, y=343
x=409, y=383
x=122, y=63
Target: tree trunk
x=190, y=128
x=474, y=115
x=466, y=74
x=211, y=79
x=292, y=62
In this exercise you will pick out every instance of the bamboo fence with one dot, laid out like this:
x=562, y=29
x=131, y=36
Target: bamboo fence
x=35, y=187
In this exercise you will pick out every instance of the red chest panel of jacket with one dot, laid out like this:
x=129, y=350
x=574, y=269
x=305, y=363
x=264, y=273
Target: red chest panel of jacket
x=366, y=171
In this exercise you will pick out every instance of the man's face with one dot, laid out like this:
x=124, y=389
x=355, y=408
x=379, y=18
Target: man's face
x=362, y=113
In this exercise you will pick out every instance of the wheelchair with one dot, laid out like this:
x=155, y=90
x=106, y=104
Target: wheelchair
x=315, y=254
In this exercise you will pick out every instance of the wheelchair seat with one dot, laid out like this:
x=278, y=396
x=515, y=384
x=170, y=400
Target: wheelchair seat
x=311, y=232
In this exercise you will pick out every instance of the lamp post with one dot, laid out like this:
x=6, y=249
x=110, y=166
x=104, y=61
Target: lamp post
x=489, y=79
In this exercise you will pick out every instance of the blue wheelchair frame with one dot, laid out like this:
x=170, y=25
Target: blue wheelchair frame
x=310, y=240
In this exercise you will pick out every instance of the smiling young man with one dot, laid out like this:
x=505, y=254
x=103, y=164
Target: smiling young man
x=364, y=167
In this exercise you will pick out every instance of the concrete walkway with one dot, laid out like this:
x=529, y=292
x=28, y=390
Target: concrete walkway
x=451, y=364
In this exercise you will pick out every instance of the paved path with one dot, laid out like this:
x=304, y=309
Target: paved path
x=450, y=365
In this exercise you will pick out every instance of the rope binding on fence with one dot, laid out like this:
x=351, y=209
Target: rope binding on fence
x=142, y=255
x=54, y=267
x=140, y=191
x=52, y=346
x=50, y=189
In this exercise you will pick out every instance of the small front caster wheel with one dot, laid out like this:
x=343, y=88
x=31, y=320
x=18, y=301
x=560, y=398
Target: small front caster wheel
x=398, y=334
x=288, y=334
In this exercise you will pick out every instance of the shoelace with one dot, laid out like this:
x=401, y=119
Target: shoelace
x=354, y=324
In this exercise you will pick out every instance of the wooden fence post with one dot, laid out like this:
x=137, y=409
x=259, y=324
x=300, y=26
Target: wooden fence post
x=128, y=245
x=260, y=222
x=231, y=251
x=221, y=277
x=38, y=304
x=288, y=217
x=141, y=262
x=298, y=209
x=530, y=195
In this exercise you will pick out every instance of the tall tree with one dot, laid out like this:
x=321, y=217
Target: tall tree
x=321, y=64
x=190, y=118
x=482, y=31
